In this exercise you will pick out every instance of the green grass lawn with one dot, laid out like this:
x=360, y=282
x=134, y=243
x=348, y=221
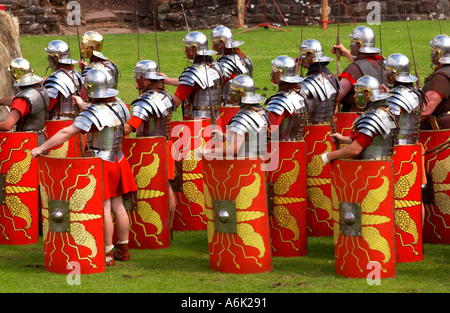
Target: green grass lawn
x=184, y=266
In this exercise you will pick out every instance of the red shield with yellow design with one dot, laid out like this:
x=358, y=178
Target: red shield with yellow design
x=188, y=139
x=363, y=213
x=19, y=195
x=344, y=122
x=72, y=214
x=318, y=142
x=436, y=228
x=149, y=220
x=236, y=210
x=226, y=113
x=286, y=195
x=408, y=202
x=71, y=148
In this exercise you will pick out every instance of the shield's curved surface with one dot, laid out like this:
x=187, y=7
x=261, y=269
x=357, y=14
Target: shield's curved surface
x=19, y=192
x=72, y=214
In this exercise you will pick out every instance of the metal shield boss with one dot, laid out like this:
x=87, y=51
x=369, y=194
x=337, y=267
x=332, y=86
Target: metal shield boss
x=72, y=148
x=363, y=214
x=148, y=212
x=286, y=197
x=237, y=218
x=72, y=214
x=318, y=215
x=408, y=202
x=189, y=137
x=436, y=228
x=19, y=195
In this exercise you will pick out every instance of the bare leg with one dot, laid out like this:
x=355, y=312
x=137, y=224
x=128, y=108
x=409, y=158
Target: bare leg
x=121, y=217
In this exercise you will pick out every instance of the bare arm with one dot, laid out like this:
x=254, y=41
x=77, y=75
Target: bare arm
x=344, y=52
x=60, y=137
x=346, y=86
x=434, y=100
x=6, y=101
x=12, y=119
x=346, y=152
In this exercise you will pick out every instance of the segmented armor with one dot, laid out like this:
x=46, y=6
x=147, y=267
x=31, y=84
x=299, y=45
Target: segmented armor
x=201, y=103
x=293, y=101
x=38, y=101
x=109, y=118
x=407, y=104
x=253, y=123
x=64, y=83
x=155, y=109
x=322, y=92
x=380, y=124
x=233, y=63
x=108, y=67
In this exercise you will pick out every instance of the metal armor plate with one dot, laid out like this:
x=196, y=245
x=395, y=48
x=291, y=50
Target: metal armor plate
x=72, y=214
x=72, y=148
x=287, y=206
x=318, y=142
x=247, y=249
x=149, y=224
x=18, y=189
x=188, y=137
x=408, y=202
x=436, y=228
x=365, y=188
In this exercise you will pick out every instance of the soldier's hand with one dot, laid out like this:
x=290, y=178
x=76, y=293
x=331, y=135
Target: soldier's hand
x=79, y=102
x=35, y=152
x=82, y=64
x=339, y=138
x=384, y=89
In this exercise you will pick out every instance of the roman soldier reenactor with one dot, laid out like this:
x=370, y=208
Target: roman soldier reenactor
x=435, y=131
x=288, y=116
x=232, y=60
x=362, y=180
x=406, y=102
x=19, y=176
x=199, y=86
x=150, y=117
x=91, y=47
x=365, y=59
x=29, y=106
x=104, y=118
x=63, y=84
x=321, y=89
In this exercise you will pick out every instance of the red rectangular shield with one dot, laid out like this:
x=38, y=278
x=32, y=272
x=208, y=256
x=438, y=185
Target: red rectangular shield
x=19, y=196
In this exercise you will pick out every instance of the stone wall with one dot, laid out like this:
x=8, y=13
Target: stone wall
x=207, y=13
x=49, y=16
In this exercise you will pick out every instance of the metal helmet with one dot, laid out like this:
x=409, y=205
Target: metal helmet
x=96, y=84
x=224, y=33
x=58, y=52
x=286, y=65
x=441, y=45
x=91, y=39
x=148, y=68
x=315, y=47
x=200, y=41
x=22, y=73
x=399, y=65
x=371, y=85
x=246, y=85
x=366, y=38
